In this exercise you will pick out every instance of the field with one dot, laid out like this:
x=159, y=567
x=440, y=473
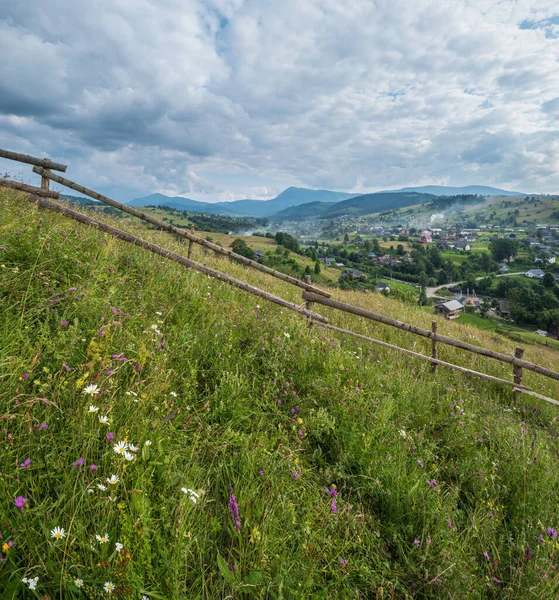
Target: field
x=263, y=459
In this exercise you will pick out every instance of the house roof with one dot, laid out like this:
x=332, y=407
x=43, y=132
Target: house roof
x=453, y=305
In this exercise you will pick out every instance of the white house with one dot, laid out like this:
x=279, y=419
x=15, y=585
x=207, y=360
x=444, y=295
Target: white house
x=535, y=274
x=549, y=259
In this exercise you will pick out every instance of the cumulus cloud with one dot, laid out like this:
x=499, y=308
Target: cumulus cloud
x=141, y=96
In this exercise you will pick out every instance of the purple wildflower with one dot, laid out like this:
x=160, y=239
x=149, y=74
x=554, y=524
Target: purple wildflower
x=416, y=543
x=78, y=463
x=44, y=426
x=540, y=539
x=66, y=367
x=110, y=436
x=261, y=472
x=343, y=561
x=72, y=289
x=234, y=512
x=20, y=502
x=294, y=475
x=496, y=580
x=552, y=532
x=93, y=468
x=432, y=483
x=334, y=506
x=420, y=463
x=64, y=323
x=25, y=464
x=24, y=375
x=449, y=523
x=486, y=556
x=110, y=372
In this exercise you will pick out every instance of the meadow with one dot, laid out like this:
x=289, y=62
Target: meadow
x=167, y=436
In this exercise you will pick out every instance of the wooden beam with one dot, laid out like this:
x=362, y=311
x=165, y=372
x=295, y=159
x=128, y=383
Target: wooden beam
x=32, y=160
x=180, y=232
x=30, y=189
x=132, y=239
x=429, y=334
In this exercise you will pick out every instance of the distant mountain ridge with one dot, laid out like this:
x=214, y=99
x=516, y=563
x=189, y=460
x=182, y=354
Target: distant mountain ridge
x=318, y=203
x=257, y=208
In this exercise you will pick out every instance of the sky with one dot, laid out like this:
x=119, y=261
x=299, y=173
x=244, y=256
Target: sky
x=220, y=100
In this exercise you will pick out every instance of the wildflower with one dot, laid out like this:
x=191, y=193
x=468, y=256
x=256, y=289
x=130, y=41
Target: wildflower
x=58, y=533
x=118, y=546
x=449, y=523
x=102, y=487
x=403, y=433
x=147, y=443
x=496, y=580
x=44, y=426
x=486, y=556
x=120, y=447
x=129, y=456
x=64, y=323
x=343, y=561
x=432, y=483
x=133, y=448
x=420, y=463
x=110, y=436
x=109, y=587
x=25, y=464
x=174, y=394
x=92, y=390
x=552, y=532
x=104, y=420
x=234, y=512
x=6, y=547
x=93, y=468
x=261, y=472
x=78, y=463
x=31, y=583
x=112, y=479
x=66, y=367
x=102, y=539
x=286, y=334
x=93, y=409
x=416, y=543
x=193, y=496
x=294, y=475
x=20, y=502
x=78, y=583
x=334, y=506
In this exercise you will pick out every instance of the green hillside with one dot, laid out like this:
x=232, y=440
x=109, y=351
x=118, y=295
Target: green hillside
x=372, y=203
x=304, y=211
x=267, y=460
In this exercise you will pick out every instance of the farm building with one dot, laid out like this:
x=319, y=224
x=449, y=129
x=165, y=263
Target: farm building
x=450, y=310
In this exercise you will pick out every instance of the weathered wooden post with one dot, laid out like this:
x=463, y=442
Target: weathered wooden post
x=190, y=244
x=434, y=352
x=517, y=371
x=309, y=304
x=45, y=182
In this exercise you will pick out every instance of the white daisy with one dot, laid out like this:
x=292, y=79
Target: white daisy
x=147, y=443
x=120, y=447
x=104, y=420
x=102, y=538
x=102, y=487
x=58, y=533
x=174, y=394
x=112, y=479
x=109, y=587
x=118, y=546
x=90, y=491
x=286, y=335
x=78, y=583
x=93, y=409
x=129, y=456
x=132, y=448
x=91, y=390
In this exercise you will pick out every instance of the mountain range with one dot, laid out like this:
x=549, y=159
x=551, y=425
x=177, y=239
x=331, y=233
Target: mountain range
x=300, y=203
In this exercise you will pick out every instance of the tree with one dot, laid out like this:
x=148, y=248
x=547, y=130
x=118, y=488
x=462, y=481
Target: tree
x=346, y=238
x=239, y=246
x=504, y=249
x=548, y=281
x=400, y=250
x=485, y=262
x=317, y=268
x=307, y=270
x=422, y=299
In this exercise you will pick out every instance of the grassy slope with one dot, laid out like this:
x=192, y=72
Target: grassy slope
x=265, y=409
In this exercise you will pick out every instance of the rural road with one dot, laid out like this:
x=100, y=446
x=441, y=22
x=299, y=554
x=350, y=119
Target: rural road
x=432, y=291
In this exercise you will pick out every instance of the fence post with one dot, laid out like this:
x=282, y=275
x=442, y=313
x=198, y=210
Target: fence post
x=45, y=182
x=308, y=304
x=517, y=371
x=191, y=243
x=434, y=352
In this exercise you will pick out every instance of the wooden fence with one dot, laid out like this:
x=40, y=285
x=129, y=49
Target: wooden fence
x=311, y=294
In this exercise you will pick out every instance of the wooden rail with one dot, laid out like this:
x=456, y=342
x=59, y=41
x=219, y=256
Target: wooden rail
x=185, y=262
x=180, y=232
x=32, y=160
x=30, y=189
x=443, y=339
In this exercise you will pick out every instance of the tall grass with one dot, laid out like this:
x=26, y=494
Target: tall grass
x=268, y=460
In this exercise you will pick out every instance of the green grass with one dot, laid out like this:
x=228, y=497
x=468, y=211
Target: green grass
x=477, y=321
x=239, y=398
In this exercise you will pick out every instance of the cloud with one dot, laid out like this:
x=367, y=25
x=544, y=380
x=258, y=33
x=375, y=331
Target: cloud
x=141, y=96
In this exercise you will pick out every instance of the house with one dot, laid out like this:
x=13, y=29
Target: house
x=503, y=268
x=549, y=259
x=472, y=301
x=450, y=310
x=354, y=274
x=381, y=286
x=462, y=246
x=535, y=274
x=258, y=254
x=328, y=261
x=503, y=310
